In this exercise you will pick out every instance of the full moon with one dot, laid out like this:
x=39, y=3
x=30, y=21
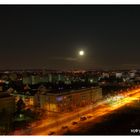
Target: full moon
x=81, y=52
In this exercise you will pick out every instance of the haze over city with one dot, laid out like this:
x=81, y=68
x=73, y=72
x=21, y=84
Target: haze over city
x=50, y=36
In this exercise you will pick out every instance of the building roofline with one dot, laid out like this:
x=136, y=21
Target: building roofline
x=72, y=92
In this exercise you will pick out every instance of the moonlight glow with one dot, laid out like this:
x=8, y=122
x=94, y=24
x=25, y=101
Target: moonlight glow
x=81, y=52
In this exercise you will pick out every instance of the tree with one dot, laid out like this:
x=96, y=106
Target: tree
x=20, y=105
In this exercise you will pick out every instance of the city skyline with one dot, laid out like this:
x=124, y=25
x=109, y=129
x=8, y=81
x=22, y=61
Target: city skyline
x=50, y=36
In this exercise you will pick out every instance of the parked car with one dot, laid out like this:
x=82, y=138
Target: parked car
x=89, y=116
x=82, y=118
x=64, y=127
x=51, y=133
x=74, y=123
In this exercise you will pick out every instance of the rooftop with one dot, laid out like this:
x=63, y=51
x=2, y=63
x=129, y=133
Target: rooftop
x=71, y=91
x=4, y=94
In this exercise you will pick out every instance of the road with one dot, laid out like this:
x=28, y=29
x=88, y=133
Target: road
x=61, y=123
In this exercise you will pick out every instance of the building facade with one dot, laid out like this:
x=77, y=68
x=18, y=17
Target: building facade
x=69, y=101
x=7, y=109
x=7, y=103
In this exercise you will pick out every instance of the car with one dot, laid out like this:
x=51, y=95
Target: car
x=51, y=133
x=82, y=118
x=74, y=123
x=89, y=116
x=64, y=127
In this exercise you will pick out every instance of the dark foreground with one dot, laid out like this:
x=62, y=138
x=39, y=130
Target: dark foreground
x=125, y=121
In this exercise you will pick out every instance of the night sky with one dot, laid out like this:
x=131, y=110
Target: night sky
x=50, y=37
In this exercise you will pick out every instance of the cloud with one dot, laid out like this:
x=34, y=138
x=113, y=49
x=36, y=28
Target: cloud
x=71, y=59
x=130, y=65
x=64, y=58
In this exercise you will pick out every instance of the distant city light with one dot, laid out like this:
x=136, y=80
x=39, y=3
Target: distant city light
x=91, y=80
